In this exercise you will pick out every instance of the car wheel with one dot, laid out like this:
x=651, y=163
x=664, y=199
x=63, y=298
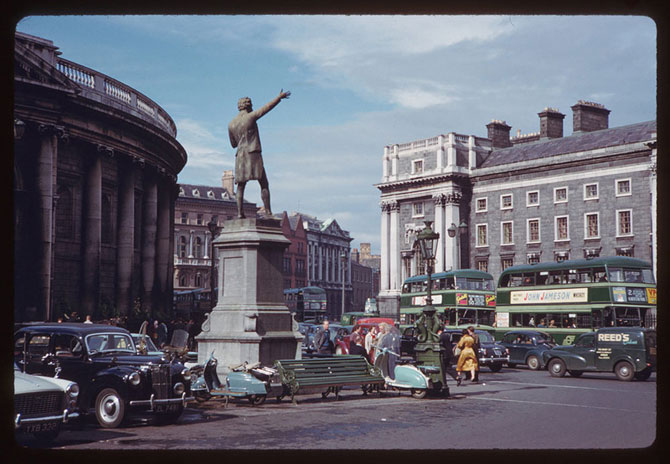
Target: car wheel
x=497, y=367
x=110, y=408
x=556, y=367
x=643, y=375
x=533, y=363
x=418, y=394
x=257, y=400
x=624, y=371
x=170, y=417
x=512, y=365
x=575, y=373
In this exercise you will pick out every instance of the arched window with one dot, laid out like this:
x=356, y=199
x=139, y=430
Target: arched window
x=198, y=280
x=182, y=281
x=198, y=247
x=182, y=247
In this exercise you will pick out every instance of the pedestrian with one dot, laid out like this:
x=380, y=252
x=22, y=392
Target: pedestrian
x=88, y=319
x=322, y=340
x=476, y=347
x=161, y=334
x=447, y=354
x=370, y=340
x=356, y=346
x=467, y=360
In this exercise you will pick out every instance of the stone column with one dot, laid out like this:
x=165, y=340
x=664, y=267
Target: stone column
x=92, y=235
x=190, y=243
x=395, y=283
x=451, y=151
x=394, y=163
x=206, y=256
x=452, y=216
x=320, y=262
x=45, y=188
x=385, y=165
x=440, y=153
x=125, y=237
x=385, y=251
x=439, y=200
x=149, y=217
x=472, y=153
x=163, y=242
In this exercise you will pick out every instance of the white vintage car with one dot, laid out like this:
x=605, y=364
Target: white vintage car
x=43, y=404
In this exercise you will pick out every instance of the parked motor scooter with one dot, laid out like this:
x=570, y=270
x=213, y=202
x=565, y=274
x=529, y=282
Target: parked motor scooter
x=251, y=381
x=399, y=376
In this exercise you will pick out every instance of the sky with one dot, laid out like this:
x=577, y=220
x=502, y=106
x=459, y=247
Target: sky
x=359, y=83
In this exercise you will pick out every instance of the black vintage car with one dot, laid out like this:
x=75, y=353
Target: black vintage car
x=526, y=347
x=113, y=379
x=491, y=353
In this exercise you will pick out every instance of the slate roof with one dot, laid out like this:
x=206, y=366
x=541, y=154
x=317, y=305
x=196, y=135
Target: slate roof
x=204, y=190
x=571, y=144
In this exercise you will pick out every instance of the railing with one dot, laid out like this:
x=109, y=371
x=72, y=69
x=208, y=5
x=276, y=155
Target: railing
x=112, y=88
x=424, y=143
x=193, y=261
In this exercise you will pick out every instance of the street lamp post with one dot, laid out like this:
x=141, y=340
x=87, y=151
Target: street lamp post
x=213, y=229
x=428, y=350
x=343, y=257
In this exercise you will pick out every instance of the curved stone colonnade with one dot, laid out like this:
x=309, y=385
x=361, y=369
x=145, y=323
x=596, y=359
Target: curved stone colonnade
x=95, y=170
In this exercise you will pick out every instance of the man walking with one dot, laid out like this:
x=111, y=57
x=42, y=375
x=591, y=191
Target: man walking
x=322, y=341
x=447, y=352
x=243, y=133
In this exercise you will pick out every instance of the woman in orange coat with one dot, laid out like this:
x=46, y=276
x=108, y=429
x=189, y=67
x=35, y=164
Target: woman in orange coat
x=468, y=358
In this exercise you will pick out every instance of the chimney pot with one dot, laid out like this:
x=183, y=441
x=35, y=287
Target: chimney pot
x=498, y=132
x=551, y=123
x=589, y=116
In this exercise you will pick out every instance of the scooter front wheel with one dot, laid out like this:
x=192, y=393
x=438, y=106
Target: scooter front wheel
x=201, y=397
x=257, y=400
x=418, y=394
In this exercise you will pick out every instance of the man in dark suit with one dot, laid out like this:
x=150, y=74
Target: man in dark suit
x=322, y=341
x=447, y=353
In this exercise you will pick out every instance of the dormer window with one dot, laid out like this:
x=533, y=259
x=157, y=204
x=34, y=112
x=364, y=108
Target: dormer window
x=210, y=194
x=181, y=191
x=417, y=166
x=196, y=193
x=224, y=195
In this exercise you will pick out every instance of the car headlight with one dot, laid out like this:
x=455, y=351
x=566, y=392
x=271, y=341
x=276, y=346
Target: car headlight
x=134, y=379
x=72, y=390
x=178, y=388
x=186, y=372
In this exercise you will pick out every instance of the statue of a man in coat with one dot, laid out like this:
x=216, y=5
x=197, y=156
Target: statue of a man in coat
x=243, y=132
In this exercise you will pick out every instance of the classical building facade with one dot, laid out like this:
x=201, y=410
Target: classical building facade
x=327, y=255
x=501, y=200
x=196, y=206
x=95, y=168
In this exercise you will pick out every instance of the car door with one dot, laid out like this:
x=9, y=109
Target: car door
x=37, y=350
x=516, y=344
x=585, y=349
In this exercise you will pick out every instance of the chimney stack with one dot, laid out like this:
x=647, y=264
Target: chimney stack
x=551, y=123
x=227, y=181
x=498, y=132
x=589, y=116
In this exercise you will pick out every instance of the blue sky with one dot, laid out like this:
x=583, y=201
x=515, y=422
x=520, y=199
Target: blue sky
x=359, y=83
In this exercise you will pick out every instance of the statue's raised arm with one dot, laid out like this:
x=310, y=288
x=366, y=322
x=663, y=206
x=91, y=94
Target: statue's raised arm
x=271, y=104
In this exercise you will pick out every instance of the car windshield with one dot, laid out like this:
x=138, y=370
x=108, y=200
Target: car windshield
x=108, y=342
x=484, y=337
x=147, y=341
x=545, y=338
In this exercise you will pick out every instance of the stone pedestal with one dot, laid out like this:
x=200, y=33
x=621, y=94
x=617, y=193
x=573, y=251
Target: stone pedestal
x=250, y=321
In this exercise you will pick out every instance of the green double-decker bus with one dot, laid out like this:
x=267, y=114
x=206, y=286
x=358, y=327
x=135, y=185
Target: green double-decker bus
x=461, y=297
x=576, y=296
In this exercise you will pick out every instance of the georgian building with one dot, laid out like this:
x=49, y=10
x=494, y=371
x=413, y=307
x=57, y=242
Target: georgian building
x=328, y=254
x=500, y=200
x=95, y=169
x=195, y=207
x=294, y=266
x=364, y=280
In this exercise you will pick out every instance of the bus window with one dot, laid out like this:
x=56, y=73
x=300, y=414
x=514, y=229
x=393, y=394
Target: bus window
x=516, y=320
x=556, y=278
x=573, y=276
x=485, y=317
x=528, y=320
x=633, y=275
x=608, y=317
x=528, y=278
x=435, y=284
x=450, y=283
x=489, y=285
x=599, y=274
x=542, y=278
x=405, y=288
x=597, y=318
x=627, y=317
x=516, y=280
x=461, y=283
x=450, y=316
x=616, y=274
x=648, y=276
x=467, y=316
x=584, y=275
x=583, y=321
x=504, y=281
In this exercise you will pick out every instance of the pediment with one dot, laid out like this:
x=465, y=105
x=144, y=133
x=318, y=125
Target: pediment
x=30, y=67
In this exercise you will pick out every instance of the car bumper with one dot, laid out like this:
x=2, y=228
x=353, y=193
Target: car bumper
x=21, y=422
x=152, y=402
x=493, y=360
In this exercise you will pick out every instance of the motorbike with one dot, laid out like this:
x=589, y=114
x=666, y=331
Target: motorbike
x=251, y=381
x=400, y=376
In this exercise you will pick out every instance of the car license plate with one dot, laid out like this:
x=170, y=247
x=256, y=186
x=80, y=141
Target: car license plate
x=43, y=427
x=170, y=407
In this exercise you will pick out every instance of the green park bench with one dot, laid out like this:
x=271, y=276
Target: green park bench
x=332, y=373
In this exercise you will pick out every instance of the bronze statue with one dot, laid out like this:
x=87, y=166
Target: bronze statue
x=243, y=133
